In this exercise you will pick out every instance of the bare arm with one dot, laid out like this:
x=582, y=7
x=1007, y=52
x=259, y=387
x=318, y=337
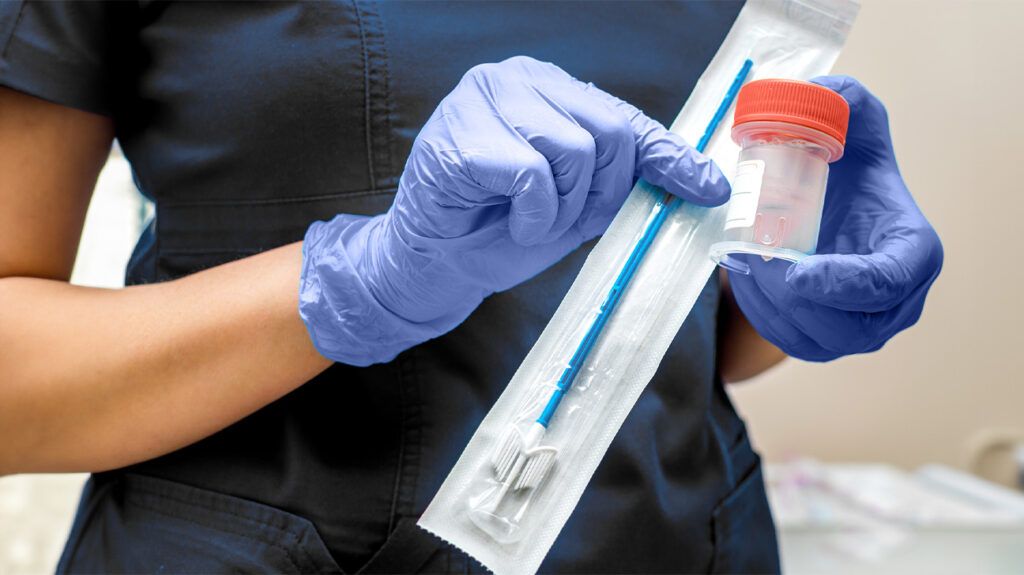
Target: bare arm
x=93, y=379
x=742, y=352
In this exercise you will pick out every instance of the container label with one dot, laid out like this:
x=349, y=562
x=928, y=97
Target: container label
x=746, y=190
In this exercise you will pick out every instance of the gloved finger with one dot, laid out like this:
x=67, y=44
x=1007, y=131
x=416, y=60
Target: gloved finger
x=615, y=161
x=515, y=258
x=844, y=332
x=445, y=191
x=771, y=324
x=502, y=164
x=834, y=330
x=908, y=313
x=906, y=258
x=569, y=149
x=868, y=135
x=666, y=160
x=534, y=199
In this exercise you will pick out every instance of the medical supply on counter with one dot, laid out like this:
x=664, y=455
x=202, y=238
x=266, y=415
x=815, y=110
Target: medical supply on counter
x=857, y=517
x=788, y=132
x=786, y=39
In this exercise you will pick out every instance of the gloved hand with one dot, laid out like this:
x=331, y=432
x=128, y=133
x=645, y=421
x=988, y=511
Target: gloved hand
x=516, y=168
x=878, y=255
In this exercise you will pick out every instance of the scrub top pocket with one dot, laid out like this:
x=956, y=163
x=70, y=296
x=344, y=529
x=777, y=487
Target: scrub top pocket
x=741, y=540
x=137, y=524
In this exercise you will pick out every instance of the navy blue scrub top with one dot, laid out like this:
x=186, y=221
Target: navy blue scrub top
x=246, y=122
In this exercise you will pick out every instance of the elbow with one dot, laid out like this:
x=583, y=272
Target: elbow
x=731, y=373
x=747, y=358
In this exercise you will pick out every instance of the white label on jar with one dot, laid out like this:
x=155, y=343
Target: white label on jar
x=746, y=190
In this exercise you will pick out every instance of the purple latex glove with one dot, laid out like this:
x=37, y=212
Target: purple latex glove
x=516, y=168
x=877, y=254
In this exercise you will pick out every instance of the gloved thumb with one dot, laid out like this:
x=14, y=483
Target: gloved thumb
x=851, y=282
x=666, y=160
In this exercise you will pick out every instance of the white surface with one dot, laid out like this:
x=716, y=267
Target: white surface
x=35, y=516
x=112, y=226
x=857, y=518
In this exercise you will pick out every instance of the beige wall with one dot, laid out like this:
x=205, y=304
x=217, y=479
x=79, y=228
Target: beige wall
x=950, y=75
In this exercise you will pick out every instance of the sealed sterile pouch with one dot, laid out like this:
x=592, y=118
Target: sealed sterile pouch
x=525, y=468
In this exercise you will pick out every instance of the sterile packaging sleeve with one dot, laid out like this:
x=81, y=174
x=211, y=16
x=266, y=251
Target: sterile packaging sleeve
x=525, y=468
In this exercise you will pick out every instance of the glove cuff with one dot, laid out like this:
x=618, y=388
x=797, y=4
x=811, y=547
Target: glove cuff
x=345, y=321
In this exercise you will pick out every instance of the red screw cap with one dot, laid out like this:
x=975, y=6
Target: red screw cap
x=794, y=102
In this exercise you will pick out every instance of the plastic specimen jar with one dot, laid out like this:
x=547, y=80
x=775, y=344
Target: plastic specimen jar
x=788, y=131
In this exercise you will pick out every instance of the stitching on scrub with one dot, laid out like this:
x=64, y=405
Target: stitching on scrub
x=251, y=537
x=276, y=201
x=164, y=495
x=401, y=451
x=412, y=422
x=415, y=406
x=726, y=510
x=87, y=517
x=309, y=557
x=155, y=493
x=378, y=94
x=388, y=103
x=720, y=443
x=14, y=26
x=291, y=532
x=366, y=94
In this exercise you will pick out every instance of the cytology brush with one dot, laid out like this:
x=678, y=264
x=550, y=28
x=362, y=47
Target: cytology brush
x=520, y=461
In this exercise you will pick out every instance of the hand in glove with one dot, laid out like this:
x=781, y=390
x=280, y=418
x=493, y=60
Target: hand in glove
x=516, y=168
x=877, y=254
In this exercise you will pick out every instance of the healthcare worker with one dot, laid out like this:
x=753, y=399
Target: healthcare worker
x=236, y=420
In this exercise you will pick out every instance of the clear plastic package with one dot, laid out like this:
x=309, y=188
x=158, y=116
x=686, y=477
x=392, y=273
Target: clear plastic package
x=523, y=472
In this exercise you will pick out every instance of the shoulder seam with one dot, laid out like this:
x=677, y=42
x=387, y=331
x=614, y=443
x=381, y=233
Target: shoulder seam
x=9, y=34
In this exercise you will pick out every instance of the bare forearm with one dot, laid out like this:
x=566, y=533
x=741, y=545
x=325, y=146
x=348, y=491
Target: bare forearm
x=742, y=352
x=93, y=379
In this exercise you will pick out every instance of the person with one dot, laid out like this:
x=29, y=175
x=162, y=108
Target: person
x=434, y=223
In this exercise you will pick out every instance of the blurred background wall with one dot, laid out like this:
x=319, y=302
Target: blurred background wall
x=951, y=389
x=946, y=391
